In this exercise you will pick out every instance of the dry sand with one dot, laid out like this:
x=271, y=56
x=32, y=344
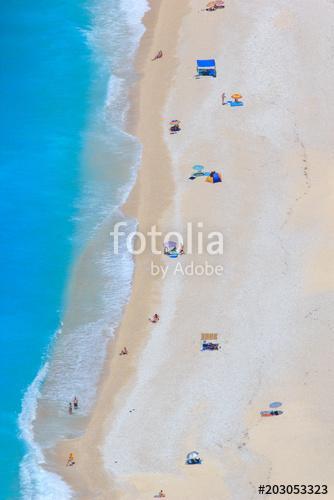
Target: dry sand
x=272, y=307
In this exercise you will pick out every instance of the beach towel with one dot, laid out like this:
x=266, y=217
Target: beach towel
x=235, y=103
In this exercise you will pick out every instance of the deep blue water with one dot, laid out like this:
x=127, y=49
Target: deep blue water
x=46, y=71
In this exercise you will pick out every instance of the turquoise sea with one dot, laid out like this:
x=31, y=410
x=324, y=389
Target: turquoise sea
x=66, y=165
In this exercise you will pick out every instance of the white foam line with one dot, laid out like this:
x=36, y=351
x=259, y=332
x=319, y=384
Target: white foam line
x=36, y=482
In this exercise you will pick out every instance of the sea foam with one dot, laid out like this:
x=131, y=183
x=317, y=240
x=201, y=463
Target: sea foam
x=76, y=357
x=36, y=482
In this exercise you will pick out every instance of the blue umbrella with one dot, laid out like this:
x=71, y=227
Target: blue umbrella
x=276, y=404
x=171, y=244
x=198, y=168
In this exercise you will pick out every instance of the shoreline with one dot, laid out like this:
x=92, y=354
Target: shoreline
x=115, y=376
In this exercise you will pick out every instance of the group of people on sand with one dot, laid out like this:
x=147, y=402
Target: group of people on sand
x=73, y=405
x=215, y=5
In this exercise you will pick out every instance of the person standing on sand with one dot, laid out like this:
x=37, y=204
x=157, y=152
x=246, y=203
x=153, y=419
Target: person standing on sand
x=155, y=318
x=223, y=99
x=70, y=460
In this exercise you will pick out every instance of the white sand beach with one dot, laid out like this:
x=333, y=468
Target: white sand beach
x=272, y=307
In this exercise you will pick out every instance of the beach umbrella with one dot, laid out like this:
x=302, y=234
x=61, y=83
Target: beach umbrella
x=175, y=122
x=193, y=455
x=171, y=244
x=236, y=96
x=198, y=168
x=275, y=404
x=219, y=4
x=211, y=5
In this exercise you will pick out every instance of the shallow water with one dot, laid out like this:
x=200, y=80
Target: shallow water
x=66, y=165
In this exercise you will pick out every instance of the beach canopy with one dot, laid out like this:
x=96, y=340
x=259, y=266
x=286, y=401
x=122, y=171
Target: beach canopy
x=193, y=455
x=206, y=67
x=198, y=168
x=206, y=63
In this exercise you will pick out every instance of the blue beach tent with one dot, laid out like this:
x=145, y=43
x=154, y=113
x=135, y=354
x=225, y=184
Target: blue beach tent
x=206, y=67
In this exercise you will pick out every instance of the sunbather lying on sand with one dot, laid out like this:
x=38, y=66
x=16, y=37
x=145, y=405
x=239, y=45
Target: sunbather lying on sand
x=123, y=352
x=212, y=6
x=271, y=413
x=155, y=318
x=158, y=56
x=174, y=126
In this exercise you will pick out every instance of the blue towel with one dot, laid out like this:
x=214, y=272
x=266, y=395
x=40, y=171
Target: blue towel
x=232, y=103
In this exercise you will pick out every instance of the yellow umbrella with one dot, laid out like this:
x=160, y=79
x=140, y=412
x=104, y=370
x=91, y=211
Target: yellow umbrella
x=236, y=96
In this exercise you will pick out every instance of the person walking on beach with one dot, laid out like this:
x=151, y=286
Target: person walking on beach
x=70, y=408
x=75, y=403
x=70, y=460
x=223, y=99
